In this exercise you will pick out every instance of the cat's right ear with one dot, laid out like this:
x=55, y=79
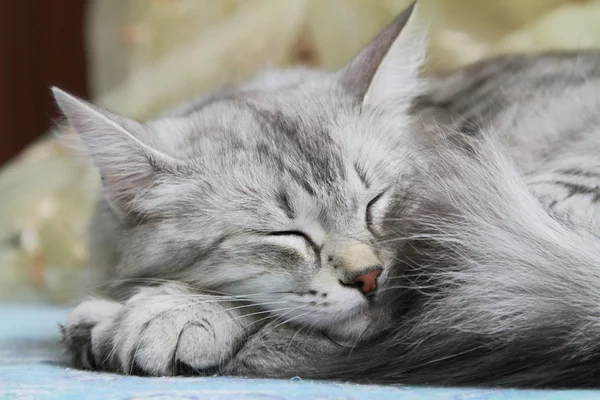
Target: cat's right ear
x=126, y=164
x=386, y=72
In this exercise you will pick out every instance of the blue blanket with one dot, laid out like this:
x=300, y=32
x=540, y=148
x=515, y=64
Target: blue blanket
x=31, y=368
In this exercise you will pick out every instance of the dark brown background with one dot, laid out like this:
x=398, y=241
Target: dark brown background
x=41, y=44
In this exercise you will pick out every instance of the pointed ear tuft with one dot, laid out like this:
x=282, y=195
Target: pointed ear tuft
x=387, y=69
x=126, y=164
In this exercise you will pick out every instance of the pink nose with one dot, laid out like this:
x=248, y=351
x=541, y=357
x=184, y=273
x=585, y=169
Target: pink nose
x=367, y=283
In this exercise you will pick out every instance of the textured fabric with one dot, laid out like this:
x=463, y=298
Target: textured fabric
x=31, y=368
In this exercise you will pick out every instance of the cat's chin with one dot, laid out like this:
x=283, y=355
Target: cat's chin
x=369, y=321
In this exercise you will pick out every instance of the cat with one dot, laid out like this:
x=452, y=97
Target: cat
x=367, y=224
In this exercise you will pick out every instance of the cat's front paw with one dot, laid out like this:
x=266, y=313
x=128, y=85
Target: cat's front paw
x=156, y=334
x=83, y=330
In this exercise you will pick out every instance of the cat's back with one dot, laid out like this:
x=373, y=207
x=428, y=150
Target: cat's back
x=545, y=109
x=472, y=87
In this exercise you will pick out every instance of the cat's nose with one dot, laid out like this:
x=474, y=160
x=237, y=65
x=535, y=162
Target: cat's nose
x=367, y=282
x=359, y=267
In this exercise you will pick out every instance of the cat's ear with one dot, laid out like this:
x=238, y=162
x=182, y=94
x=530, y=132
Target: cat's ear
x=387, y=70
x=126, y=164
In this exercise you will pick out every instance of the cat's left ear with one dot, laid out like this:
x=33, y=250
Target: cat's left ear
x=387, y=70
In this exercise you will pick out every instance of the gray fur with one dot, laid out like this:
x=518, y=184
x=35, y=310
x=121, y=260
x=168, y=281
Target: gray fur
x=475, y=192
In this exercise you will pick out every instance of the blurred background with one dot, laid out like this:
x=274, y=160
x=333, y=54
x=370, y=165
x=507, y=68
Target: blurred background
x=137, y=57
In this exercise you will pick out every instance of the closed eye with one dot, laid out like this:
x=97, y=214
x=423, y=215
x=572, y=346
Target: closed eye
x=301, y=234
x=369, y=214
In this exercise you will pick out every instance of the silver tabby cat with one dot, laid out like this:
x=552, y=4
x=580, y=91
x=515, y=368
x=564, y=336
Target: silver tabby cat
x=364, y=224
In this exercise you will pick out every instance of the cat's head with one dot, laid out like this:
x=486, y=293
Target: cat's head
x=279, y=190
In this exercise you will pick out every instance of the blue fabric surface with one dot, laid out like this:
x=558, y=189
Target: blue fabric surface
x=31, y=368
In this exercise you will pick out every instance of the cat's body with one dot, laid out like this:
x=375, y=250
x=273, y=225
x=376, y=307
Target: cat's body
x=359, y=225
x=544, y=111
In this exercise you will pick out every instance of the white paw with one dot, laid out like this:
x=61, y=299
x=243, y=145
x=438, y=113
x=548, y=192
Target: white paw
x=157, y=332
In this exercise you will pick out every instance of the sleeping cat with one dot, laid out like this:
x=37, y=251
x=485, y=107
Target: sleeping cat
x=364, y=224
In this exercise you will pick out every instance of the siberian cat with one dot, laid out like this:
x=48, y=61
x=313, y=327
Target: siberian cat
x=364, y=225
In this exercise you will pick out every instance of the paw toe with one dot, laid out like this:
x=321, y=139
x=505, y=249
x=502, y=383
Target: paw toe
x=78, y=339
x=197, y=349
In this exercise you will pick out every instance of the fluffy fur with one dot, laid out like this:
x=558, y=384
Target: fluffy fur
x=235, y=227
